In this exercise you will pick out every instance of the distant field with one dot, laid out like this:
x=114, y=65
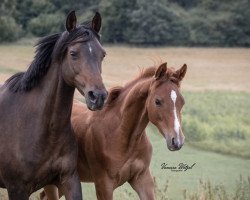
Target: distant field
x=208, y=68
x=216, y=116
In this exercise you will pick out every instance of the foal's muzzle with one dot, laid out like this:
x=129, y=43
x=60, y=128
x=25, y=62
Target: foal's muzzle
x=175, y=144
x=95, y=99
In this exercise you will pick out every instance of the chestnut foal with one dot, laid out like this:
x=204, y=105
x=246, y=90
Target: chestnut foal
x=113, y=145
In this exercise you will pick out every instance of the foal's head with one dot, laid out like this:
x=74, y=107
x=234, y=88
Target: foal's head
x=164, y=104
x=81, y=55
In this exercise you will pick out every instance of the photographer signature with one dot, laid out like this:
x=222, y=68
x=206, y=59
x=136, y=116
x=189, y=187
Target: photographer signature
x=181, y=167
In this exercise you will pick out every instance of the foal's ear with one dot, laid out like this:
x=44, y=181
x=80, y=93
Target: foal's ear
x=180, y=73
x=97, y=22
x=160, y=72
x=71, y=21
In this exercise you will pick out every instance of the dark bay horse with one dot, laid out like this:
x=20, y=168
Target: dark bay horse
x=113, y=145
x=38, y=146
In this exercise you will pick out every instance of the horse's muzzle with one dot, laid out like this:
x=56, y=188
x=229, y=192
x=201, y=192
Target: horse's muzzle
x=95, y=99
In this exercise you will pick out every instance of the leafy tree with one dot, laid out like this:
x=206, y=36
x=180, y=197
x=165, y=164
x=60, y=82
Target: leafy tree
x=156, y=24
x=9, y=30
x=186, y=4
x=238, y=32
x=29, y=9
x=116, y=19
x=45, y=24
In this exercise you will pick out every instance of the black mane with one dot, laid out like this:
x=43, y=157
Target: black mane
x=48, y=47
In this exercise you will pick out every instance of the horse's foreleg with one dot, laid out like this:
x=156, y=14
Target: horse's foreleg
x=50, y=193
x=17, y=195
x=144, y=186
x=72, y=188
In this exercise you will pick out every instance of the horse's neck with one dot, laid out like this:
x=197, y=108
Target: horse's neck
x=58, y=99
x=134, y=118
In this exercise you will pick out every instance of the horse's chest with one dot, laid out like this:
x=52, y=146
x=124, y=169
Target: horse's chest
x=57, y=168
x=57, y=162
x=64, y=159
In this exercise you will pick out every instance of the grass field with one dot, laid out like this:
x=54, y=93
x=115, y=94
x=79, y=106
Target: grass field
x=216, y=117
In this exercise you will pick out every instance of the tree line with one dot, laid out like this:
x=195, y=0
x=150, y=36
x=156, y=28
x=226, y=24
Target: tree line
x=137, y=22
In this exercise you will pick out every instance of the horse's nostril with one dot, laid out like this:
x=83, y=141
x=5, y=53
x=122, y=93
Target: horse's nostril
x=97, y=98
x=92, y=95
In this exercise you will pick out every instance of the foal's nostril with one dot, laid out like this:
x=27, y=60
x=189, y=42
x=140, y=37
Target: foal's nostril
x=173, y=143
x=176, y=144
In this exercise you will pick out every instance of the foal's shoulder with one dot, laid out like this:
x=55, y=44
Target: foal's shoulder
x=78, y=107
x=79, y=111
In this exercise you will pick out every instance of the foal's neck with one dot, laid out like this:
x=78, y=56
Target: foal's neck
x=134, y=114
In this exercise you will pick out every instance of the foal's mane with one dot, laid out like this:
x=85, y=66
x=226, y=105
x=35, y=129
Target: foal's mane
x=145, y=73
x=47, y=47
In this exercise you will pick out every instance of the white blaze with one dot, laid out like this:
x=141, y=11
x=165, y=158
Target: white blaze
x=176, y=120
x=90, y=48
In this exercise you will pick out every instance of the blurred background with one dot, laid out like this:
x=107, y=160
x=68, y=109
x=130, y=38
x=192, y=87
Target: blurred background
x=211, y=37
x=144, y=22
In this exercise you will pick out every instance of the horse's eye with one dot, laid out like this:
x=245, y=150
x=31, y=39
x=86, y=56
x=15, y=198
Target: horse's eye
x=86, y=33
x=104, y=55
x=73, y=53
x=157, y=102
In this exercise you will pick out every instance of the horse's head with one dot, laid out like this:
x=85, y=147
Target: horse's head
x=164, y=104
x=81, y=56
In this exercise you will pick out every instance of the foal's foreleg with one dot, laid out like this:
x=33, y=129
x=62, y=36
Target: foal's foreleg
x=144, y=185
x=104, y=189
x=72, y=188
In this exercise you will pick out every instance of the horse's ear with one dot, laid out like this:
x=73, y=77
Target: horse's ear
x=71, y=21
x=160, y=72
x=180, y=73
x=96, y=22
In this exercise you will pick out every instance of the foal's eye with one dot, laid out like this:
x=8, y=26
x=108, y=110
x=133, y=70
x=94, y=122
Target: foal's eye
x=73, y=53
x=157, y=102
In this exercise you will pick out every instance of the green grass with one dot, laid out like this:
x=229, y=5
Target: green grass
x=218, y=121
x=213, y=192
x=219, y=169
